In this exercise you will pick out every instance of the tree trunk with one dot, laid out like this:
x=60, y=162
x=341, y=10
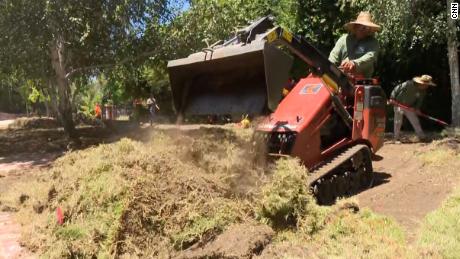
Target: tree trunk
x=63, y=89
x=452, y=52
x=51, y=101
x=10, y=99
x=47, y=108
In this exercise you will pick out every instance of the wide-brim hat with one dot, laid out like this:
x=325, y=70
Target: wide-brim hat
x=365, y=19
x=424, y=80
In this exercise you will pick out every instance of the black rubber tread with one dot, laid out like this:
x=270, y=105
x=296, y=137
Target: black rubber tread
x=336, y=161
x=348, y=181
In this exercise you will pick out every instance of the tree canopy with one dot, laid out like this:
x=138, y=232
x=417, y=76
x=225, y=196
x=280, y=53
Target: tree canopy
x=64, y=45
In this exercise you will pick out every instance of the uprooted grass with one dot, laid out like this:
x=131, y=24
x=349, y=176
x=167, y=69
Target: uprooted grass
x=178, y=190
x=340, y=231
x=137, y=199
x=451, y=132
x=286, y=199
x=361, y=235
x=442, y=157
x=34, y=123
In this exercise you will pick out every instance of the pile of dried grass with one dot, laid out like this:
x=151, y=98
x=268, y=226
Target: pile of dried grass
x=34, y=123
x=286, y=199
x=177, y=192
x=140, y=199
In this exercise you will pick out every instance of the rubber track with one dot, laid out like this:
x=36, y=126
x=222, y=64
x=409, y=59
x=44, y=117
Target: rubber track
x=334, y=163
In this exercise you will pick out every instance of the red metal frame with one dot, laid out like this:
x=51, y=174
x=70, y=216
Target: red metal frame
x=308, y=107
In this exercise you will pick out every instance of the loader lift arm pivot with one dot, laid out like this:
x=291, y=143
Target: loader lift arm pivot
x=322, y=67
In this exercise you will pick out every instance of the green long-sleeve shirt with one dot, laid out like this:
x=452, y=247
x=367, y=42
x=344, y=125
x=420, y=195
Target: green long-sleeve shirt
x=363, y=52
x=409, y=93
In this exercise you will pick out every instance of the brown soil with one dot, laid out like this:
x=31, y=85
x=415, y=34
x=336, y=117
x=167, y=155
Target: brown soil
x=13, y=169
x=405, y=188
x=286, y=250
x=7, y=116
x=10, y=233
x=19, y=167
x=239, y=241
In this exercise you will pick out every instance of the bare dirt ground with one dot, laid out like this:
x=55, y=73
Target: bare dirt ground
x=16, y=168
x=405, y=189
x=19, y=167
x=6, y=119
x=13, y=169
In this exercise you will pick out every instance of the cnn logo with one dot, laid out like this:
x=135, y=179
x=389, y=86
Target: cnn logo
x=454, y=11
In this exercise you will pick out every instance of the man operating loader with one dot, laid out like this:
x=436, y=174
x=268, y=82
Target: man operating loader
x=410, y=94
x=356, y=52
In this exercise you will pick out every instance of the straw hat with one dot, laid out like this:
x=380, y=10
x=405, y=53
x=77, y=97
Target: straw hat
x=364, y=18
x=424, y=80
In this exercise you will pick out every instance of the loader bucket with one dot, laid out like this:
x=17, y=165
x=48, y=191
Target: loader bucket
x=236, y=79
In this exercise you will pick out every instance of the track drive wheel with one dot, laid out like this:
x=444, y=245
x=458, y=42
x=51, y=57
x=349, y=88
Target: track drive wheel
x=346, y=175
x=365, y=169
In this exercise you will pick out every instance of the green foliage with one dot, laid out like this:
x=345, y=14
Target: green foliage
x=128, y=82
x=129, y=42
x=88, y=94
x=92, y=37
x=70, y=233
x=407, y=23
x=36, y=95
x=208, y=21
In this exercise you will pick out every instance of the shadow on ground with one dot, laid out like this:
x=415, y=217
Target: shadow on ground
x=381, y=178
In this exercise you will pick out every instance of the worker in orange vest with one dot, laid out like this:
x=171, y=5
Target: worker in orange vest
x=98, y=111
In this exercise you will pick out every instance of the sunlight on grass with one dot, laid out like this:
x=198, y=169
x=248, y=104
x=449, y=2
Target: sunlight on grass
x=441, y=229
x=438, y=157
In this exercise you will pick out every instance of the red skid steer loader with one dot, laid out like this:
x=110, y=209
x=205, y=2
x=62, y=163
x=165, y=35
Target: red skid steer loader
x=332, y=121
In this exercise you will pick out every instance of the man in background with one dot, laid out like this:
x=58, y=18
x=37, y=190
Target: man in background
x=410, y=93
x=153, y=107
x=98, y=111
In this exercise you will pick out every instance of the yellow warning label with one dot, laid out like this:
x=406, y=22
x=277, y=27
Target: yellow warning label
x=333, y=85
x=272, y=36
x=287, y=35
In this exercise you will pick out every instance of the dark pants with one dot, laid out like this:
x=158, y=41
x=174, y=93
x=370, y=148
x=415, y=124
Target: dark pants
x=152, y=114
